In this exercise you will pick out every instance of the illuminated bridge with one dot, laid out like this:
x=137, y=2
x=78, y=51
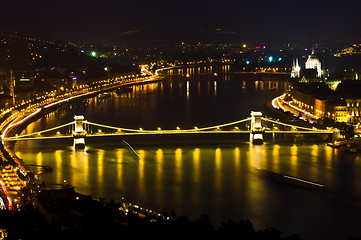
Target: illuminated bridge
x=255, y=126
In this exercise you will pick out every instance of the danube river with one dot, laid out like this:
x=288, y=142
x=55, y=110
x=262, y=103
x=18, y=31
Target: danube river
x=222, y=178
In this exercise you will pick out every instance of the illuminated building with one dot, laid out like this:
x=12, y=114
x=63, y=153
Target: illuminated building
x=350, y=90
x=336, y=110
x=354, y=109
x=295, y=73
x=340, y=114
x=311, y=73
x=317, y=99
x=313, y=63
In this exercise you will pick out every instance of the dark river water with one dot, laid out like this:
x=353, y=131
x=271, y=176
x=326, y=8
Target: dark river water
x=222, y=178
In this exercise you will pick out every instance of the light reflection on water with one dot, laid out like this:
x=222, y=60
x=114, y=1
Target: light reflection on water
x=197, y=180
x=215, y=167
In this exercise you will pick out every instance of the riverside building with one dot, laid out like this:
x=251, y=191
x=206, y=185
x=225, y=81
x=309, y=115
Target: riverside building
x=320, y=101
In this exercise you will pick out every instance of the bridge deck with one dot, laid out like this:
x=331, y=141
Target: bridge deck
x=163, y=132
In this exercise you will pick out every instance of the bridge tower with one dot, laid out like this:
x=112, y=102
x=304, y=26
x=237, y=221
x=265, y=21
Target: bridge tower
x=79, y=133
x=256, y=135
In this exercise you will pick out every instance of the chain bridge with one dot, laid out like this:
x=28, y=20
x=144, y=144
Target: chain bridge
x=255, y=125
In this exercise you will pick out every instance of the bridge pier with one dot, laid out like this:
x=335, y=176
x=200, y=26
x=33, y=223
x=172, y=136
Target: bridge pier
x=79, y=133
x=256, y=135
x=336, y=134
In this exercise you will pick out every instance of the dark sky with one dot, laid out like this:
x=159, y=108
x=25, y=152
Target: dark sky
x=264, y=20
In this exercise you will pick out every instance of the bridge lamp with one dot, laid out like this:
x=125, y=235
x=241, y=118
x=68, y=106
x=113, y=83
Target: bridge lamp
x=236, y=128
x=57, y=133
x=99, y=131
x=178, y=128
x=140, y=129
x=196, y=128
x=159, y=129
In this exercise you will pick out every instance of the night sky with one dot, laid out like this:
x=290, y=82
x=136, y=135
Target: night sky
x=261, y=20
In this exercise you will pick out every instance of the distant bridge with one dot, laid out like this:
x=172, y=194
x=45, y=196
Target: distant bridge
x=255, y=126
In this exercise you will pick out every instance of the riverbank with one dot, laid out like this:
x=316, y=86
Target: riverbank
x=288, y=117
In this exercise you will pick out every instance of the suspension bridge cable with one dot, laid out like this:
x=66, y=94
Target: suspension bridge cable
x=111, y=127
x=224, y=125
x=289, y=125
x=44, y=131
x=185, y=130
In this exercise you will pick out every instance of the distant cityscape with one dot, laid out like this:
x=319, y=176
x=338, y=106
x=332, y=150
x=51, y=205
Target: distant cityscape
x=30, y=66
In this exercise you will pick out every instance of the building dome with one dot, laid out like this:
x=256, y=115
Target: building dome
x=313, y=63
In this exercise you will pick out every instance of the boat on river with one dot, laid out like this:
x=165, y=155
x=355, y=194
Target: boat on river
x=103, y=95
x=337, y=143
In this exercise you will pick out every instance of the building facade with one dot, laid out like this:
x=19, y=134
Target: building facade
x=354, y=109
x=318, y=100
